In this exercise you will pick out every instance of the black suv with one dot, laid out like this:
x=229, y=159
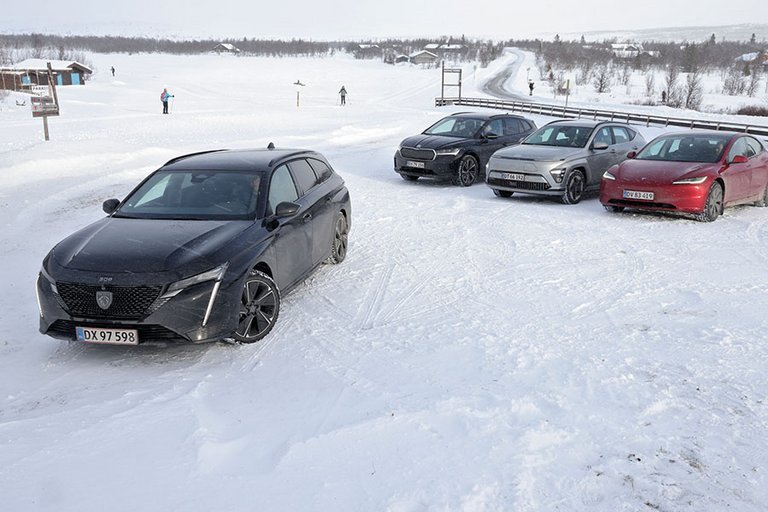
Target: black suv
x=457, y=147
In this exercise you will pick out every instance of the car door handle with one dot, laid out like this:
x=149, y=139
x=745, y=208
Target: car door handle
x=307, y=217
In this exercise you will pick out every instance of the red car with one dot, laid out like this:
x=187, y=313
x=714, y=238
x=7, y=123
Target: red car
x=695, y=172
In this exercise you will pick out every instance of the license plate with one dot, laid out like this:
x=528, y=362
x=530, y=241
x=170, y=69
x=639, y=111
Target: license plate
x=634, y=194
x=512, y=176
x=107, y=336
x=411, y=163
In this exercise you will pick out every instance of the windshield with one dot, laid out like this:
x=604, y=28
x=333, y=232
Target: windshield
x=463, y=127
x=686, y=147
x=195, y=195
x=560, y=135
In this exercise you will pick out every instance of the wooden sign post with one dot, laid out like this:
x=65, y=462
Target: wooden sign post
x=44, y=106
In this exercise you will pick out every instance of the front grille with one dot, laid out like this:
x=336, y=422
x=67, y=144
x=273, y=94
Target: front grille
x=641, y=204
x=520, y=185
x=66, y=329
x=127, y=301
x=418, y=154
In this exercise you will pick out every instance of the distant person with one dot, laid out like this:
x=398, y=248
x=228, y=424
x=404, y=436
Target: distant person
x=663, y=96
x=530, y=87
x=343, y=94
x=113, y=70
x=164, y=97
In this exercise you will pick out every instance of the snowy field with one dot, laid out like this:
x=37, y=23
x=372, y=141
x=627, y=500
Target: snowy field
x=471, y=354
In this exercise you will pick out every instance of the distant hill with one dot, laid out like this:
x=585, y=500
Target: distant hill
x=690, y=34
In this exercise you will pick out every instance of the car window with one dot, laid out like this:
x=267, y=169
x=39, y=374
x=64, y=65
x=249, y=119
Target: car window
x=560, y=135
x=620, y=134
x=463, y=127
x=305, y=176
x=496, y=127
x=685, y=148
x=281, y=188
x=321, y=169
x=604, y=135
x=739, y=148
x=512, y=126
x=754, y=147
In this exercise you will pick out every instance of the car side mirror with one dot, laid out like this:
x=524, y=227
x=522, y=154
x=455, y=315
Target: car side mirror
x=739, y=159
x=490, y=136
x=110, y=205
x=599, y=146
x=286, y=209
x=631, y=154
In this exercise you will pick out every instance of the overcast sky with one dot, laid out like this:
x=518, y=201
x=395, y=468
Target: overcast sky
x=327, y=20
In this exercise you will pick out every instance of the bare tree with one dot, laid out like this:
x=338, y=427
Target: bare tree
x=733, y=85
x=650, y=84
x=692, y=91
x=601, y=79
x=754, y=82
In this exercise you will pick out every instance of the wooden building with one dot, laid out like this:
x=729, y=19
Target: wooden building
x=26, y=74
x=424, y=57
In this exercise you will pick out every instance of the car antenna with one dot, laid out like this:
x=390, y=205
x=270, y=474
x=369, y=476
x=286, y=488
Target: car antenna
x=271, y=145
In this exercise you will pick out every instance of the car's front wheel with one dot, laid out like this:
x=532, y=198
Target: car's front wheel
x=714, y=205
x=466, y=174
x=574, y=187
x=764, y=201
x=259, y=307
x=340, y=240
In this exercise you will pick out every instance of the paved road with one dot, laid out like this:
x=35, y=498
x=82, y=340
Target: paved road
x=495, y=86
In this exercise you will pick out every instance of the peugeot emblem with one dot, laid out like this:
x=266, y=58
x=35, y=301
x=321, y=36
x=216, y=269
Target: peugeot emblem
x=104, y=299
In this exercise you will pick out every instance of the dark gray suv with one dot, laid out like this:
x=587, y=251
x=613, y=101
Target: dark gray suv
x=563, y=159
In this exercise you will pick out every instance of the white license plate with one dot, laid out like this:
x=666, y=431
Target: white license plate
x=107, y=336
x=512, y=176
x=634, y=194
x=411, y=163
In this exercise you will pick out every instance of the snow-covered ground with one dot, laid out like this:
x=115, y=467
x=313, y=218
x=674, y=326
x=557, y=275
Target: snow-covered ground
x=472, y=353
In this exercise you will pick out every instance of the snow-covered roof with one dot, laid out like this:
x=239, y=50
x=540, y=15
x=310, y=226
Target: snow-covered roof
x=367, y=46
x=423, y=52
x=451, y=46
x=748, y=57
x=432, y=46
x=227, y=46
x=56, y=65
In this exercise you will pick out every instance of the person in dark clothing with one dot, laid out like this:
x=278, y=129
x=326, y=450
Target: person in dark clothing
x=113, y=70
x=343, y=94
x=164, y=97
x=530, y=87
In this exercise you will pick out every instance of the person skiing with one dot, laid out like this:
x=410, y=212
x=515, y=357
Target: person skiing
x=343, y=94
x=164, y=96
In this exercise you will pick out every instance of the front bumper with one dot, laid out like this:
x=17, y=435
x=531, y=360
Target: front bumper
x=441, y=167
x=532, y=183
x=668, y=197
x=177, y=320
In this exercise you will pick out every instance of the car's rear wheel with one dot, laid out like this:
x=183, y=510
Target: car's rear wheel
x=466, y=174
x=502, y=193
x=714, y=205
x=614, y=209
x=340, y=239
x=574, y=187
x=259, y=307
x=408, y=177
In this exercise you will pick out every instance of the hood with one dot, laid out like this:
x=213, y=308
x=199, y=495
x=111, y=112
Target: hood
x=540, y=153
x=146, y=245
x=433, y=141
x=652, y=172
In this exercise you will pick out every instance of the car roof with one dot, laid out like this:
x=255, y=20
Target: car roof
x=579, y=122
x=485, y=115
x=237, y=159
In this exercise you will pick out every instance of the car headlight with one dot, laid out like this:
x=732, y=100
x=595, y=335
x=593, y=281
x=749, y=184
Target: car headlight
x=609, y=176
x=448, y=152
x=691, y=181
x=557, y=175
x=216, y=274
x=51, y=281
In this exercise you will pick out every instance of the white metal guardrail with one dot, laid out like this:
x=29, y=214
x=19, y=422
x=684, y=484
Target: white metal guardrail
x=604, y=115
